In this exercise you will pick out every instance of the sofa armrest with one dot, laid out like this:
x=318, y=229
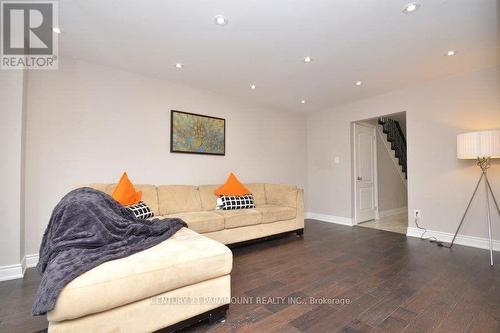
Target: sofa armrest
x=300, y=208
x=281, y=194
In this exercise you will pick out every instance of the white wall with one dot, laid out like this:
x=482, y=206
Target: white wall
x=11, y=152
x=88, y=123
x=439, y=184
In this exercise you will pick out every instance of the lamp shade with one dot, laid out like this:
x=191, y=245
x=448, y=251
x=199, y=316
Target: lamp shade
x=472, y=145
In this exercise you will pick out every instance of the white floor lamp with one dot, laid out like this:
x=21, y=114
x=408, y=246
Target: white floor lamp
x=481, y=146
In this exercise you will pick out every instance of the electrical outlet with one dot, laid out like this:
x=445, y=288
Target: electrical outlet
x=417, y=214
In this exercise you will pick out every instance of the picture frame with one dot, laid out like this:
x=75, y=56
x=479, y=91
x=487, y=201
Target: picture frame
x=192, y=133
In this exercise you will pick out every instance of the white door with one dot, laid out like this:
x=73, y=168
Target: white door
x=364, y=174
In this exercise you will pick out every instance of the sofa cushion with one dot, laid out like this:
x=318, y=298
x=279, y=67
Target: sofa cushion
x=125, y=192
x=110, y=188
x=201, y=221
x=232, y=186
x=184, y=259
x=208, y=197
x=240, y=217
x=141, y=210
x=149, y=196
x=259, y=193
x=273, y=213
x=178, y=199
x=233, y=202
x=149, y=193
x=281, y=195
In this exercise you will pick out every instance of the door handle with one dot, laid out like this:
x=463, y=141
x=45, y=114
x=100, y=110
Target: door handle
x=360, y=178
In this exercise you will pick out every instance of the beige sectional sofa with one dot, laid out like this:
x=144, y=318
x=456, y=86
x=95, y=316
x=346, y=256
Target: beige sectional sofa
x=279, y=208
x=141, y=293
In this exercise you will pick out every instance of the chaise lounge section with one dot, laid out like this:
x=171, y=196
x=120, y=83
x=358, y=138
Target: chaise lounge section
x=180, y=278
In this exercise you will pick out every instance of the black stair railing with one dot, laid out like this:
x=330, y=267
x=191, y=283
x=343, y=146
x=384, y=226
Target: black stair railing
x=395, y=136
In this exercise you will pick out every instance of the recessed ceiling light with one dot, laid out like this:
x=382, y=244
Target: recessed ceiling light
x=358, y=83
x=307, y=59
x=451, y=52
x=179, y=65
x=411, y=7
x=303, y=101
x=56, y=30
x=252, y=86
x=220, y=20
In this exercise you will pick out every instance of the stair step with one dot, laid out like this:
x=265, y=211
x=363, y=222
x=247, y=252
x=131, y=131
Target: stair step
x=397, y=141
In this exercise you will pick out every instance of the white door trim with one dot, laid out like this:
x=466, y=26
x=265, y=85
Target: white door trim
x=375, y=169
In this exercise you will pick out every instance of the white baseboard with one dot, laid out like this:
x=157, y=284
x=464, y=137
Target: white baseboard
x=394, y=211
x=329, y=218
x=478, y=242
x=11, y=272
x=31, y=260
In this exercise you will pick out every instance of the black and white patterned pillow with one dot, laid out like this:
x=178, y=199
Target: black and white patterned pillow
x=141, y=210
x=230, y=202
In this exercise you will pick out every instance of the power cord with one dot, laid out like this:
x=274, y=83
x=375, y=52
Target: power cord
x=431, y=239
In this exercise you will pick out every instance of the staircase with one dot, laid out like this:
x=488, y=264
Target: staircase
x=397, y=141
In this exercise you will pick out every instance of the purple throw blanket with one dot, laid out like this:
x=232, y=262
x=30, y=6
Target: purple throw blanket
x=86, y=229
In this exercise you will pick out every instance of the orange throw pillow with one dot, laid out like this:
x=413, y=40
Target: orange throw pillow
x=232, y=186
x=125, y=192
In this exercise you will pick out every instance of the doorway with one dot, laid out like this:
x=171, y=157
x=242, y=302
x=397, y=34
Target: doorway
x=380, y=173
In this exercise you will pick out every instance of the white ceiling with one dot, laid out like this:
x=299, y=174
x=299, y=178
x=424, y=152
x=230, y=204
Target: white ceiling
x=266, y=40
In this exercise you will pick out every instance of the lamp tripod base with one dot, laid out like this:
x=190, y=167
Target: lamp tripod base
x=484, y=165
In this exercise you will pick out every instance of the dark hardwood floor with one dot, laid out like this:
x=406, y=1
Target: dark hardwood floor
x=389, y=283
